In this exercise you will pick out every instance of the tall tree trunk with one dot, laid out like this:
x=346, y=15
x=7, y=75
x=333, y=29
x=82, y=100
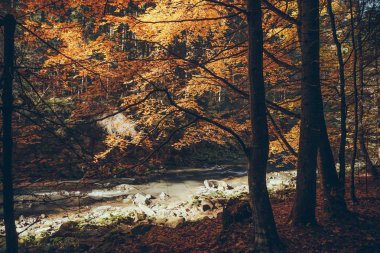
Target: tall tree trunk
x=265, y=231
x=343, y=104
x=368, y=163
x=356, y=98
x=303, y=211
x=9, y=24
x=363, y=147
x=333, y=190
x=332, y=185
x=378, y=97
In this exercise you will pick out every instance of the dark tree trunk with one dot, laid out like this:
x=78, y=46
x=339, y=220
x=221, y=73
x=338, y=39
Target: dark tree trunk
x=333, y=190
x=343, y=104
x=356, y=103
x=9, y=24
x=265, y=231
x=363, y=147
x=303, y=211
x=332, y=185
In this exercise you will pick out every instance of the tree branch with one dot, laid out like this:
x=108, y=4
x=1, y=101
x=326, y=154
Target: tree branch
x=228, y=5
x=281, y=14
x=280, y=135
x=279, y=62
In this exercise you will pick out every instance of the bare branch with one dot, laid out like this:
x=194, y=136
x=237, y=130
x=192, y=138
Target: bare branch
x=281, y=14
x=228, y=5
x=280, y=135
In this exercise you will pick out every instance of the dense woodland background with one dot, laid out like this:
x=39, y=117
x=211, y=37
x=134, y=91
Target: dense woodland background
x=119, y=88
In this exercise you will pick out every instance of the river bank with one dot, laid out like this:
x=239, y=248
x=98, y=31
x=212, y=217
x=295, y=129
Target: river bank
x=42, y=210
x=357, y=233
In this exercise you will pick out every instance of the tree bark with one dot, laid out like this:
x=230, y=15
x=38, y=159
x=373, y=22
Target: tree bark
x=356, y=97
x=333, y=191
x=332, y=185
x=363, y=147
x=343, y=104
x=9, y=24
x=303, y=211
x=265, y=231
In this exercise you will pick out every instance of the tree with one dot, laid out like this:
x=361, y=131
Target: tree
x=334, y=187
x=9, y=24
x=356, y=100
x=265, y=232
x=343, y=104
x=303, y=211
x=333, y=191
x=363, y=146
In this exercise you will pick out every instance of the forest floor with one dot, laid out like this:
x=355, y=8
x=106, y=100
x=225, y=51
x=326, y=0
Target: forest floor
x=358, y=233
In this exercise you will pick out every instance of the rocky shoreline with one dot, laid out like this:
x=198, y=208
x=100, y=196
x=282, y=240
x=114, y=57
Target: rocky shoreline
x=125, y=202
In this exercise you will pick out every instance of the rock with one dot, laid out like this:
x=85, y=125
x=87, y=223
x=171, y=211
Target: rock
x=141, y=199
x=206, y=207
x=236, y=210
x=216, y=184
x=164, y=196
x=128, y=199
x=275, y=181
x=160, y=221
x=64, y=193
x=67, y=228
x=43, y=230
x=76, y=193
x=146, y=210
x=163, y=212
x=241, y=188
x=137, y=215
x=175, y=221
x=216, y=167
x=123, y=187
x=148, y=196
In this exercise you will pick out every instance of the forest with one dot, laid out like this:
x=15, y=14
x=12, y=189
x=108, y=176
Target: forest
x=189, y=126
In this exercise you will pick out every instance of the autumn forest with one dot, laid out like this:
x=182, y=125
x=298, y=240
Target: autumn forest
x=189, y=126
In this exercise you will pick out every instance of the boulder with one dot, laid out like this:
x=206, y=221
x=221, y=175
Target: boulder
x=137, y=215
x=206, y=205
x=160, y=221
x=216, y=184
x=150, y=196
x=236, y=211
x=164, y=196
x=123, y=187
x=146, y=210
x=175, y=221
x=67, y=228
x=128, y=199
x=142, y=199
x=163, y=212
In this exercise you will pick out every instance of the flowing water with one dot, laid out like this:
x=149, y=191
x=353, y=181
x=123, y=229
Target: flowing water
x=55, y=203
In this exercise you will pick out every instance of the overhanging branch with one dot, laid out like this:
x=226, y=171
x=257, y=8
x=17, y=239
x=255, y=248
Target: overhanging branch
x=281, y=14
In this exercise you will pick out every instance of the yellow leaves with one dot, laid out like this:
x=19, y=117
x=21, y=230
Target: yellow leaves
x=112, y=141
x=202, y=132
x=276, y=146
x=187, y=20
x=102, y=64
